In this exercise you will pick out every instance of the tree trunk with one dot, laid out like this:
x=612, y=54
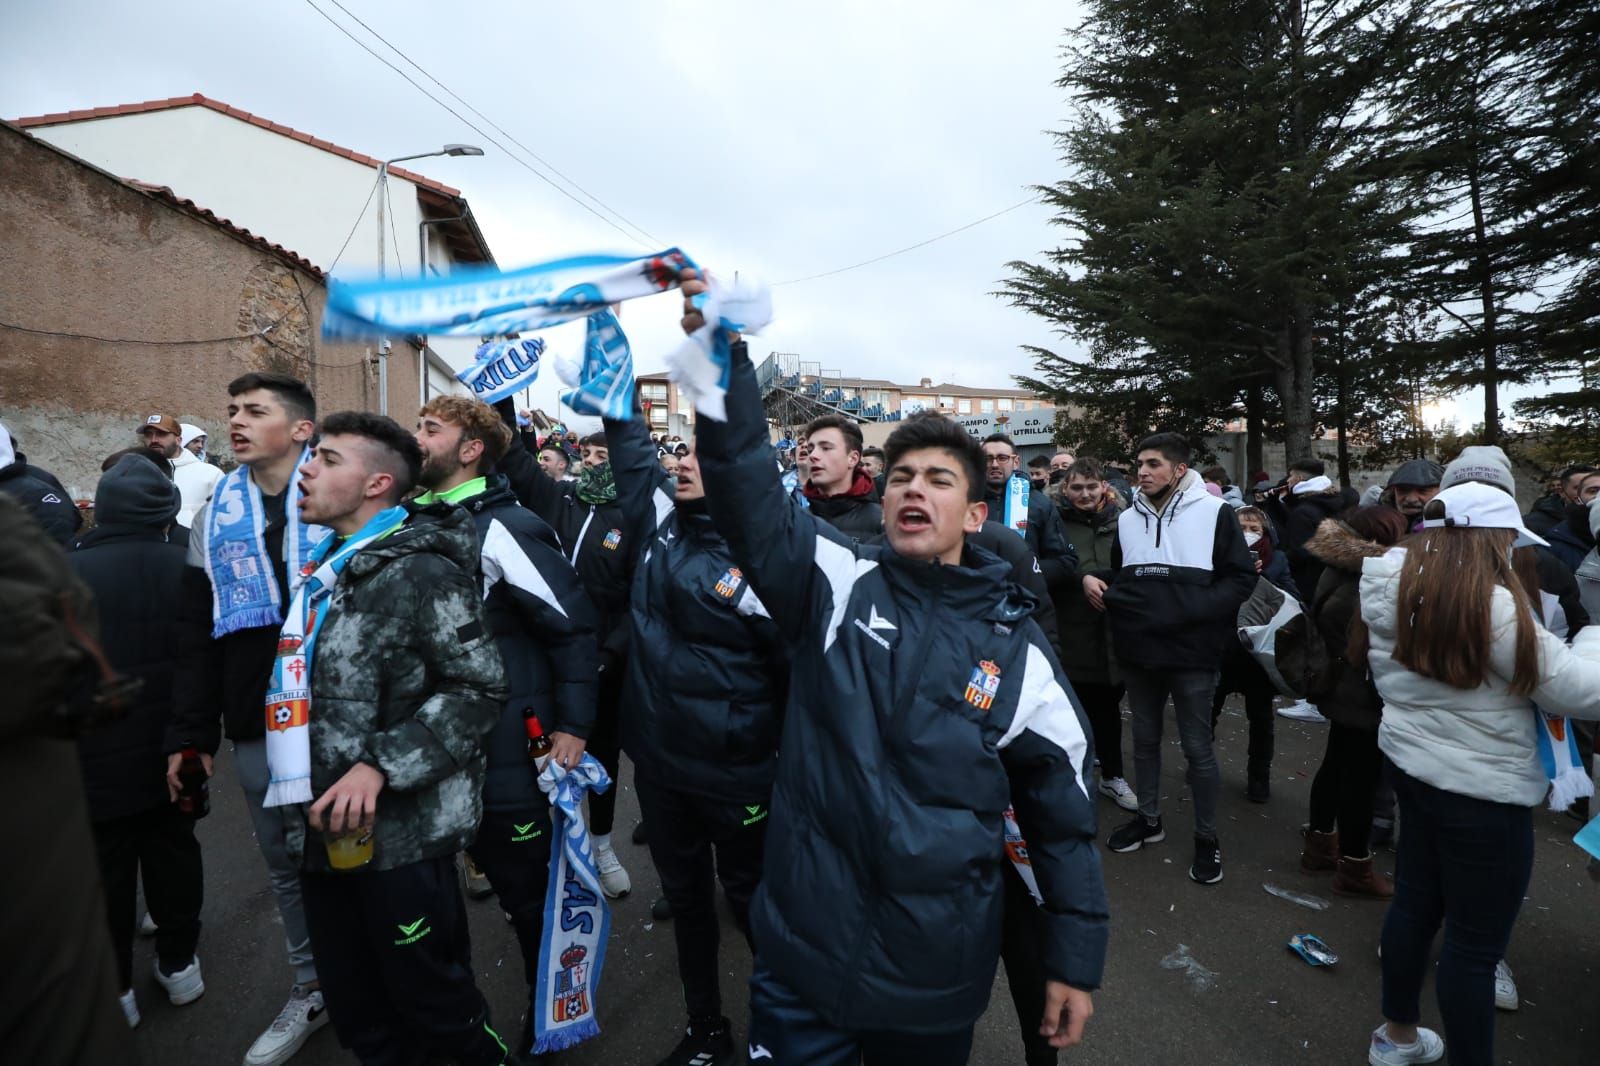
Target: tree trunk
x=1488, y=333
x=1253, y=422
x=1340, y=411
x=1294, y=383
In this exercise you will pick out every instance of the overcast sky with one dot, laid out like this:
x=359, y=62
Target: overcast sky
x=785, y=141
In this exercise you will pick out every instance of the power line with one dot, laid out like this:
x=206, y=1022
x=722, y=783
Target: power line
x=910, y=247
x=473, y=126
x=457, y=97
x=399, y=260
x=354, y=226
x=133, y=340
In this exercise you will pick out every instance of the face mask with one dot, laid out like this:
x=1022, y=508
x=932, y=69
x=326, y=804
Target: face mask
x=1251, y=539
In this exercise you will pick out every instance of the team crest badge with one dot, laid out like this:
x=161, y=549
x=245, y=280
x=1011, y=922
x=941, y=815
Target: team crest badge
x=613, y=539
x=983, y=685
x=728, y=583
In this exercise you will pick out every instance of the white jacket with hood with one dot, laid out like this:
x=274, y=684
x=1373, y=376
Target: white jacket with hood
x=1474, y=742
x=195, y=480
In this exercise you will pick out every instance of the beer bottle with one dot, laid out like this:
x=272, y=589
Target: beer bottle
x=194, y=793
x=538, y=744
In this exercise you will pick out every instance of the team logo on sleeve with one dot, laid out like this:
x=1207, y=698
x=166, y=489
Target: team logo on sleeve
x=983, y=685
x=728, y=584
x=613, y=538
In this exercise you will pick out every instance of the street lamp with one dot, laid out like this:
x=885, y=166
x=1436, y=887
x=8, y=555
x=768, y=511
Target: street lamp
x=383, y=199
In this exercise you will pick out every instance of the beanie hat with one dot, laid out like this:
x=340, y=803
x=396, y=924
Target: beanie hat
x=1422, y=473
x=134, y=493
x=1481, y=462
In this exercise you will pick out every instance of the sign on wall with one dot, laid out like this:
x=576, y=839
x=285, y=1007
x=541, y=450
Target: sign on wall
x=1035, y=427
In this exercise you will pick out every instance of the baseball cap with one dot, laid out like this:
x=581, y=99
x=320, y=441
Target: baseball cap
x=165, y=423
x=1473, y=505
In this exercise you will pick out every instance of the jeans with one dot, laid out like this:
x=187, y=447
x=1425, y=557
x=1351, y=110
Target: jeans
x=696, y=841
x=1191, y=692
x=785, y=1030
x=250, y=759
x=158, y=846
x=1466, y=863
x=1341, y=793
x=1102, y=704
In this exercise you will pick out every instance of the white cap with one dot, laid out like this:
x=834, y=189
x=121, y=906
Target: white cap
x=1473, y=505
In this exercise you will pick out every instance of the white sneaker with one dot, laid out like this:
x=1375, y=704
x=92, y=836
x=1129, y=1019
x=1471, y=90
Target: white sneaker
x=182, y=987
x=1385, y=1052
x=147, y=925
x=130, y=1008
x=1301, y=711
x=614, y=880
x=1119, y=792
x=1505, y=988
x=303, y=1015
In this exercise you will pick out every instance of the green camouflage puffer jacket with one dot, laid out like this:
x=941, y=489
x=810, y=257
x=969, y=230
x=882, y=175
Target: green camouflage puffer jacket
x=406, y=677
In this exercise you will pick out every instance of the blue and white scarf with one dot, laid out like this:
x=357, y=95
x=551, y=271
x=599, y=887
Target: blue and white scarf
x=576, y=919
x=1018, y=490
x=501, y=368
x=244, y=592
x=603, y=384
x=486, y=303
x=1558, y=744
x=288, y=707
x=703, y=364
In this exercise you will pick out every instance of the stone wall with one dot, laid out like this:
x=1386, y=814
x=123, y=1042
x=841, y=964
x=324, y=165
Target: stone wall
x=129, y=305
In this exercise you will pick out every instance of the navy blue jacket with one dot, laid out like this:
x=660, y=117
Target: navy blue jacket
x=544, y=626
x=703, y=694
x=924, y=702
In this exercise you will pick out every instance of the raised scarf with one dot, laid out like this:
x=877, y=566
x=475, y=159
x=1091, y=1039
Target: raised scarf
x=576, y=918
x=602, y=383
x=288, y=706
x=244, y=592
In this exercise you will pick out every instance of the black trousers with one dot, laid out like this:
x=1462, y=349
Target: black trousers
x=1021, y=933
x=605, y=742
x=1342, y=791
x=785, y=1030
x=158, y=845
x=513, y=851
x=695, y=842
x=1241, y=674
x=1103, y=706
x=396, y=965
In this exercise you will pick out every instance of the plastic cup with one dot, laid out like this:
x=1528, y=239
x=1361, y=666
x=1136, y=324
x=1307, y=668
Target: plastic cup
x=351, y=850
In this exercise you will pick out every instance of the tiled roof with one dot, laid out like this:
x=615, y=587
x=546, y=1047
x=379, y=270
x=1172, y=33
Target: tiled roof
x=166, y=195
x=63, y=117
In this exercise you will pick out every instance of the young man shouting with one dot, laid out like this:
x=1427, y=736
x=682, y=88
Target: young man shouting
x=385, y=683
x=839, y=488
x=924, y=704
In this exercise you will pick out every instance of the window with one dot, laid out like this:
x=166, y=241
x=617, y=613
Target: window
x=1005, y=403
x=654, y=391
x=963, y=407
x=947, y=401
x=986, y=407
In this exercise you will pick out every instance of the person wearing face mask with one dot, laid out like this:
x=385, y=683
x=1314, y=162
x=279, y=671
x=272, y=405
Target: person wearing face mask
x=1571, y=540
x=1242, y=674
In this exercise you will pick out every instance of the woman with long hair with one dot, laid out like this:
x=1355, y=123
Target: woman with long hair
x=1341, y=793
x=1450, y=632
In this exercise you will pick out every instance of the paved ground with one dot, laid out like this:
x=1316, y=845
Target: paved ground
x=1263, y=1006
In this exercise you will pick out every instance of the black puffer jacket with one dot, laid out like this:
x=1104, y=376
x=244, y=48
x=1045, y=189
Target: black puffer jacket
x=1046, y=536
x=1305, y=514
x=544, y=626
x=135, y=576
x=925, y=702
x=856, y=513
x=1353, y=700
x=43, y=498
x=703, y=702
x=593, y=538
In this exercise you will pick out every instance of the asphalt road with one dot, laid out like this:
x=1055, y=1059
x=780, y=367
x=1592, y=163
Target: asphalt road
x=1261, y=1006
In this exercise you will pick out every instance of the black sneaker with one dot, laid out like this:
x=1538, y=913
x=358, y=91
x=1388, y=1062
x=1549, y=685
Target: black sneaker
x=1136, y=834
x=661, y=910
x=1258, y=790
x=703, y=1044
x=1207, y=868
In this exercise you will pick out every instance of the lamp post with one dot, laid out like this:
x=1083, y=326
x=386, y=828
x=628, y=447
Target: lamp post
x=383, y=198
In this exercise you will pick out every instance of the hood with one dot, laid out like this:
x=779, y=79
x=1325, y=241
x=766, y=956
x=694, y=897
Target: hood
x=862, y=487
x=184, y=458
x=136, y=493
x=1310, y=486
x=1380, y=587
x=441, y=528
x=1341, y=547
x=189, y=433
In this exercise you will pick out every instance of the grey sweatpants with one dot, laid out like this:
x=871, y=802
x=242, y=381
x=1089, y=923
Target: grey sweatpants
x=250, y=756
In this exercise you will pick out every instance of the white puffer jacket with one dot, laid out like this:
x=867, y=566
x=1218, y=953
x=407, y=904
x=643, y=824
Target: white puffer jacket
x=1476, y=742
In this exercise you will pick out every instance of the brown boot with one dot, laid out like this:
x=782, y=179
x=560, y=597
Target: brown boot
x=1321, y=852
x=1356, y=877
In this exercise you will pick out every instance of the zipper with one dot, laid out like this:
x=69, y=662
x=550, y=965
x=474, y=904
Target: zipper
x=577, y=545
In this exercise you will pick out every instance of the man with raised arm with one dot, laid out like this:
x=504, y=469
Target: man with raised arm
x=924, y=705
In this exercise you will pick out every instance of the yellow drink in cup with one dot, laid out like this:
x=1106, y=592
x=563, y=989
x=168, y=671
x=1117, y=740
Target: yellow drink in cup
x=350, y=850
